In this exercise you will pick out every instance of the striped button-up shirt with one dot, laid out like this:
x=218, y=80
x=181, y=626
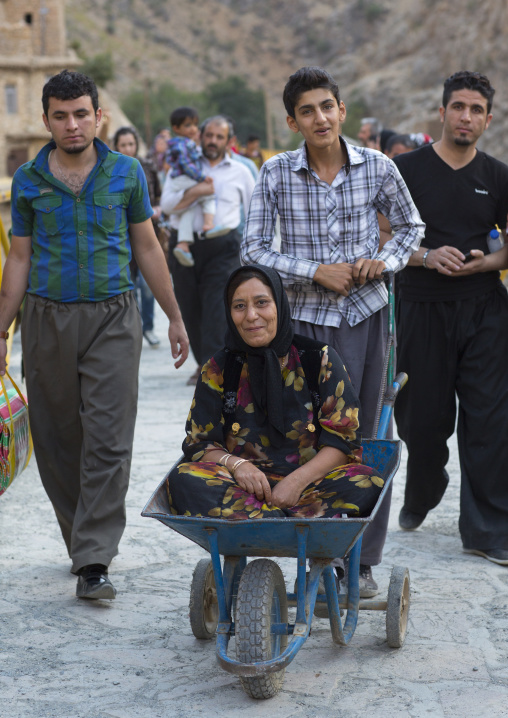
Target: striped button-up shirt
x=80, y=243
x=324, y=223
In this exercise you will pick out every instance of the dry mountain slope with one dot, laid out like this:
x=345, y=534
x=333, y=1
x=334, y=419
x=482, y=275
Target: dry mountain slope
x=389, y=56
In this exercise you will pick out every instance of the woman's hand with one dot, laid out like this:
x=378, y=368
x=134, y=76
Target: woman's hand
x=287, y=493
x=251, y=479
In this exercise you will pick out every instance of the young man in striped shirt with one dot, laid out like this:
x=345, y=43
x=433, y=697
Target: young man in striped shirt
x=327, y=195
x=77, y=211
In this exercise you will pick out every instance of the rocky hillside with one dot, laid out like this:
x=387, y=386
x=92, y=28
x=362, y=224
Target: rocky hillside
x=389, y=56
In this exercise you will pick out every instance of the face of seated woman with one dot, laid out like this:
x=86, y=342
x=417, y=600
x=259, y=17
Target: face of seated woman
x=254, y=313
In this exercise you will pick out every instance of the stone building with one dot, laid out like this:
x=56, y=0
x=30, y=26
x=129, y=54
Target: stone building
x=32, y=48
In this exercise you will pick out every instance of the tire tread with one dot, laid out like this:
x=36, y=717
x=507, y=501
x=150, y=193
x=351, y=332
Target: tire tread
x=253, y=623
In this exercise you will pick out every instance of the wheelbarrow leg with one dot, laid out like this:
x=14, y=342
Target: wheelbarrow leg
x=302, y=533
x=306, y=590
x=225, y=581
x=340, y=635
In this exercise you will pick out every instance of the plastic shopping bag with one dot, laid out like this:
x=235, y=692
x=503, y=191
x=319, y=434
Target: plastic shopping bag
x=15, y=437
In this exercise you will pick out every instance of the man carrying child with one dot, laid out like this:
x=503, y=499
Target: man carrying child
x=184, y=157
x=200, y=287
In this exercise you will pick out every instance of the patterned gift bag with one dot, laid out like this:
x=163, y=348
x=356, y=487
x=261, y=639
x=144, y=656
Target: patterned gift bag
x=15, y=437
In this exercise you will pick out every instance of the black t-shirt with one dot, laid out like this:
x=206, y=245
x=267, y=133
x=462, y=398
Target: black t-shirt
x=459, y=207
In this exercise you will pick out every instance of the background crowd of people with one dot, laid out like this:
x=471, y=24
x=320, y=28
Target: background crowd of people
x=163, y=162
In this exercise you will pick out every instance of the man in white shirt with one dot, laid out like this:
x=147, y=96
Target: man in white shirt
x=199, y=289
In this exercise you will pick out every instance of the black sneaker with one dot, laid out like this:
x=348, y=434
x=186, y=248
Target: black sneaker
x=93, y=582
x=410, y=520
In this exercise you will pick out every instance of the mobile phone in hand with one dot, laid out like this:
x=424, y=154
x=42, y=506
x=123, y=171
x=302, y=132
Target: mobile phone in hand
x=467, y=257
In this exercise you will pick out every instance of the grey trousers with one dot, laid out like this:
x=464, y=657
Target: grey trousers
x=81, y=365
x=362, y=350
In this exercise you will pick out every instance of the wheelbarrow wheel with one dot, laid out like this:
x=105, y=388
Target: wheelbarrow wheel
x=397, y=609
x=261, y=602
x=203, y=606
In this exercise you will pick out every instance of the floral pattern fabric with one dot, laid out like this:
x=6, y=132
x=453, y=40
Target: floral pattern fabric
x=203, y=488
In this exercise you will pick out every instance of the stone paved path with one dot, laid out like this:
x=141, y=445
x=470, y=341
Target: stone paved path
x=136, y=657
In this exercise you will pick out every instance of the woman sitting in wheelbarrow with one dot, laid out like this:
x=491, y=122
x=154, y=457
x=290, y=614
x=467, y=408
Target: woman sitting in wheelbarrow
x=273, y=426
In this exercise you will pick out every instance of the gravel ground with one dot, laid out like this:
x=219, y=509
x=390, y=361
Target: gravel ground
x=137, y=658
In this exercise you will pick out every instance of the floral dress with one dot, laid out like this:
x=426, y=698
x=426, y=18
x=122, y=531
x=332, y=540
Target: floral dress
x=204, y=488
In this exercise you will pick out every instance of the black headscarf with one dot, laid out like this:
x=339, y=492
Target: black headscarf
x=263, y=362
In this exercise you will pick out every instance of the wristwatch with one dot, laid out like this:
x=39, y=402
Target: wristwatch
x=424, y=259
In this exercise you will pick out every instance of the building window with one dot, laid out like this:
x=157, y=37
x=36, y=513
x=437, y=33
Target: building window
x=11, y=99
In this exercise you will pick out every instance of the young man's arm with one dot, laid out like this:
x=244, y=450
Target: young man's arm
x=450, y=260
x=395, y=204
x=14, y=286
x=152, y=265
x=258, y=238
x=395, y=250
x=173, y=202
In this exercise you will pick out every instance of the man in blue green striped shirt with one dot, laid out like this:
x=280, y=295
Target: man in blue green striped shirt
x=78, y=212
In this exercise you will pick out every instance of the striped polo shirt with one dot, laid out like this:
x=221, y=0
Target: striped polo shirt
x=80, y=243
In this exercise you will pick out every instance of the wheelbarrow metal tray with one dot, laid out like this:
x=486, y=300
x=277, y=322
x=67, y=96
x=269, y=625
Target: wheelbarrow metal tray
x=327, y=537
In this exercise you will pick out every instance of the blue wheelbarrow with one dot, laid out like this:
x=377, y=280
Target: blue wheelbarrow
x=249, y=600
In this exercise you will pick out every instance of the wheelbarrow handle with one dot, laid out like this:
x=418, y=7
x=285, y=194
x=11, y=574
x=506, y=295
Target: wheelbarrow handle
x=393, y=390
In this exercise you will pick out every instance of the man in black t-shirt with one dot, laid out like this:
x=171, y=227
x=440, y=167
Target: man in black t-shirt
x=453, y=324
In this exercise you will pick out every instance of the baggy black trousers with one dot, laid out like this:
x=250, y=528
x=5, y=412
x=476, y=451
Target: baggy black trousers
x=457, y=351
x=200, y=290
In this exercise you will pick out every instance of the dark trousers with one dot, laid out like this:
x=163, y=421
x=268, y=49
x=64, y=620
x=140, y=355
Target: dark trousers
x=200, y=290
x=362, y=349
x=457, y=350
x=82, y=363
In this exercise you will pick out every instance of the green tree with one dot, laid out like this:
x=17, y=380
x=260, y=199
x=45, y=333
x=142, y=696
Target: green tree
x=356, y=108
x=99, y=67
x=155, y=104
x=229, y=97
x=246, y=107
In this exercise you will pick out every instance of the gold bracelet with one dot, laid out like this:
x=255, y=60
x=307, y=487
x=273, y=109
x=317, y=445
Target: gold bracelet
x=226, y=456
x=237, y=464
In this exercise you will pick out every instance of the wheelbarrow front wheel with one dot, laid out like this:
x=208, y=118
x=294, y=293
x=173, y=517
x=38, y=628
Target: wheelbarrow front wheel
x=203, y=605
x=261, y=603
x=397, y=609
